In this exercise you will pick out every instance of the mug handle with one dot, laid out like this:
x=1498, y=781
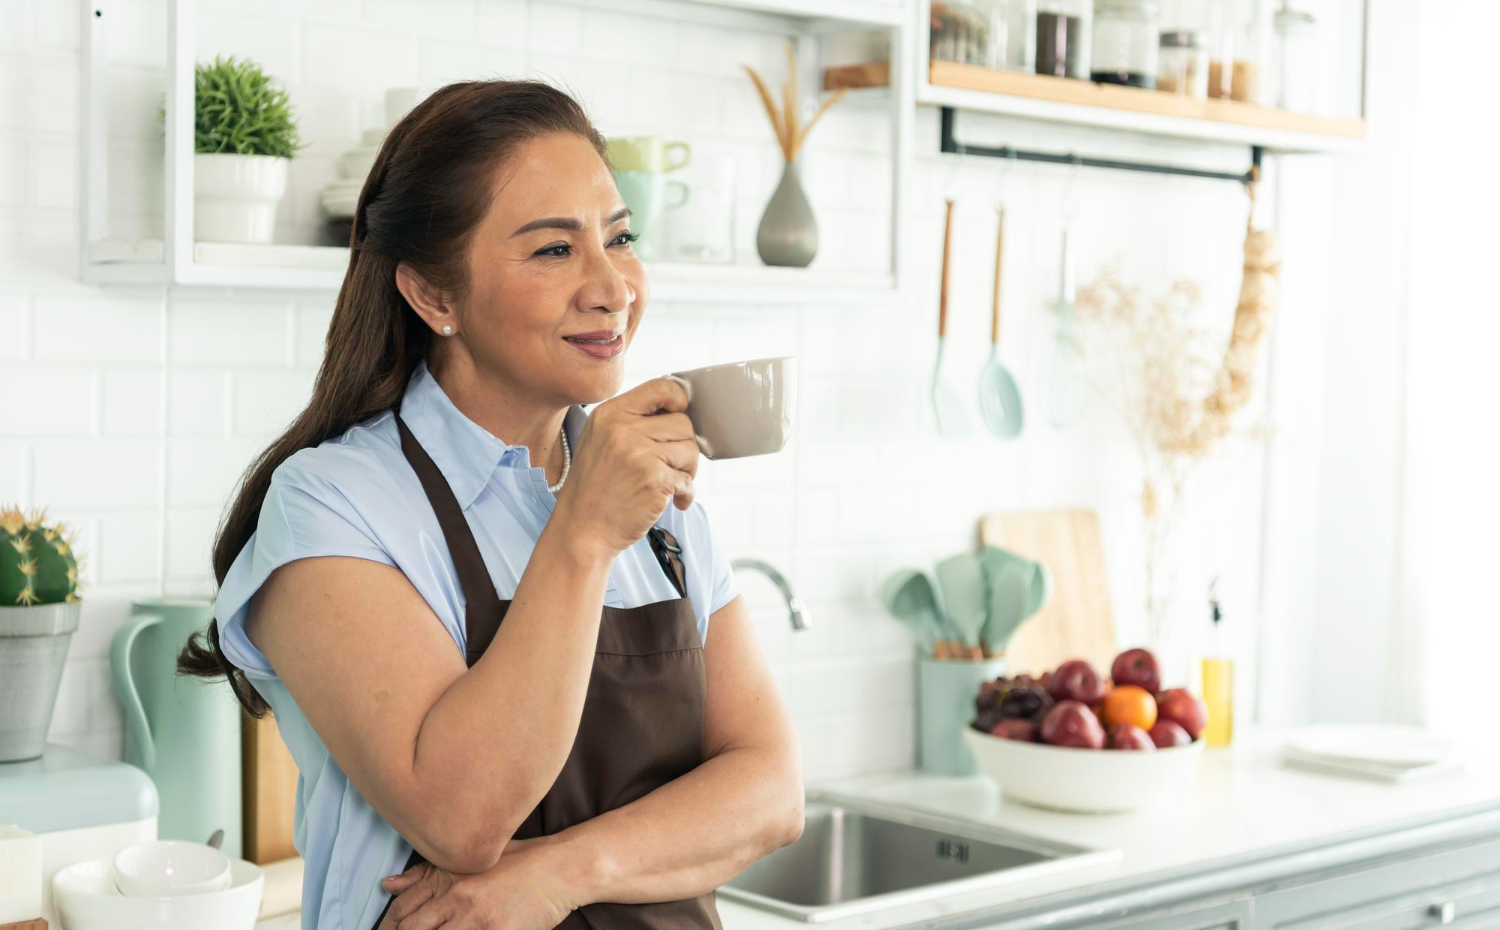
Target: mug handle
x=703, y=445
x=684, y=149
x=136, y=724
x=685, y=191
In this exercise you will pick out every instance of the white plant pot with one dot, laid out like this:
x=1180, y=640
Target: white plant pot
x=235, y=196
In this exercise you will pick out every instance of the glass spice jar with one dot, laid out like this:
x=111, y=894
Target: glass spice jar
x=1182, y=66
x=1012, y=34
x=1125, y=42
x=1294, y=61
x=960, y=33
x=1062, y=38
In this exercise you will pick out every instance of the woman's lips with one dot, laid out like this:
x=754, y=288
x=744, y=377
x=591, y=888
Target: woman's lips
x=605, y=344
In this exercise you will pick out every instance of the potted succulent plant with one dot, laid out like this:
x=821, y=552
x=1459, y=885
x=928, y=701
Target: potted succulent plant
x=39, y=607
x=244, y=138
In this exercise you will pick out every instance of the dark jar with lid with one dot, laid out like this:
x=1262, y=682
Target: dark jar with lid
x=1125, y=42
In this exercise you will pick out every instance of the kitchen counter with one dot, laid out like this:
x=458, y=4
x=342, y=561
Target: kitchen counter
x=1248, y=822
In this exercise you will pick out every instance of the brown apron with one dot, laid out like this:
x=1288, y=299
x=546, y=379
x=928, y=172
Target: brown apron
x=642, y=723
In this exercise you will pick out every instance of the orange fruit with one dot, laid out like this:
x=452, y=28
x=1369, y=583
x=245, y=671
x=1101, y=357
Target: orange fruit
x=1130, y=704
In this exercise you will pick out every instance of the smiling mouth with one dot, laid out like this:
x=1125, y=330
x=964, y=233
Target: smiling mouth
x=604, y=344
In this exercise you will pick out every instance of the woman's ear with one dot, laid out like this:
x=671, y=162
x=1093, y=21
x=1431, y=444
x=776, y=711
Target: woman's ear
x=425, y=299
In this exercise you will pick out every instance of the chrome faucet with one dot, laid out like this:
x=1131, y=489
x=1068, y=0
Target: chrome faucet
x=793, y=604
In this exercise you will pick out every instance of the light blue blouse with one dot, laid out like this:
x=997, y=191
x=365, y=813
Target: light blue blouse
x=356, y=495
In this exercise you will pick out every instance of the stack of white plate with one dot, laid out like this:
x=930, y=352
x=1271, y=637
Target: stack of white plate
x=1383, y=753
x=340, y=197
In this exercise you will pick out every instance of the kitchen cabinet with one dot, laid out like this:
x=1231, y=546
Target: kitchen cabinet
x=1234, y=915
x=1458, y=888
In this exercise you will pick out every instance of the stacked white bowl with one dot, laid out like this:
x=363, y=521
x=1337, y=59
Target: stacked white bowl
x=340, y=198
x=166, y=884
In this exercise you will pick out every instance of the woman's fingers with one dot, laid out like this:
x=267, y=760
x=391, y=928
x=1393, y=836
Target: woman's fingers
x=416, y=894
x=681, y=455
x=434, y=912
x=655, y=395
x=395, y=884
x=668, y=427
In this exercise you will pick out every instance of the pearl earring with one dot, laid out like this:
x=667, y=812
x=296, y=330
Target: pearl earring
x=447, y=330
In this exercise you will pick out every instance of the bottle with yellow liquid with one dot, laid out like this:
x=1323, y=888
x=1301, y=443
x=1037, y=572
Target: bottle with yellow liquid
x=1218, y=679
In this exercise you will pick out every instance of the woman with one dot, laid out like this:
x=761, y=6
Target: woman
x=596, y=752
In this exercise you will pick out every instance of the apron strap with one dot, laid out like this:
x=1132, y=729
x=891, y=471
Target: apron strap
x=482, y=612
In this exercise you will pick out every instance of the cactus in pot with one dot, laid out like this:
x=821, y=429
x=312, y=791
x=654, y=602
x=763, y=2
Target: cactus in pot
x=39, y=607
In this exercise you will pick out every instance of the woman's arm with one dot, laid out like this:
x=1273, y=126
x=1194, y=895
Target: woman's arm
x=700, y=830
x=454, y=758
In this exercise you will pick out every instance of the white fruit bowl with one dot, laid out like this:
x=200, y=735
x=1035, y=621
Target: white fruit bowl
x=86, y=899
x=1083, y=781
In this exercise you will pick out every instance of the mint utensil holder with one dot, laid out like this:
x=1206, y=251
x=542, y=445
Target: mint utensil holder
x=946, y=689
x=183, y=732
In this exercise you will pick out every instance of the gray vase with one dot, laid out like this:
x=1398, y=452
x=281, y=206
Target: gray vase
x=33, y=644
x=788, y=232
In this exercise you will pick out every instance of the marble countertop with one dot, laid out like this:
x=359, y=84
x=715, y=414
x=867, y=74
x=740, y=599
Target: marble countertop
x=1245, y=807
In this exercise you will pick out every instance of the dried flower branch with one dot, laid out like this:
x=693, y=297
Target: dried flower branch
x=790, y=133
x=1178, y=388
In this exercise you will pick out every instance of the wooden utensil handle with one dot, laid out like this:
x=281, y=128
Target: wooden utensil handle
x=995, y=303
x=943, y=289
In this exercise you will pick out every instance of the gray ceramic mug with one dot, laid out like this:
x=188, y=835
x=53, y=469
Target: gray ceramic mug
x=741, y=408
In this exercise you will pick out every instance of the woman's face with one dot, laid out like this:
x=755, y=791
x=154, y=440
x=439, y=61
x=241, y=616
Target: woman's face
x=556, y=291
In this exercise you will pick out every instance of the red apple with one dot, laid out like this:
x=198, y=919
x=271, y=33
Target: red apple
x=1184, y=709
x=1071, y=723
x=1077, y=680
x=1137, y=667
x=1129, y=736
x=1016, y=728
x=1167, y=734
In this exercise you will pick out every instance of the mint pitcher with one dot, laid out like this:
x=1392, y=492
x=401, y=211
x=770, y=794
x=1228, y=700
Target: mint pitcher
x=183, y=732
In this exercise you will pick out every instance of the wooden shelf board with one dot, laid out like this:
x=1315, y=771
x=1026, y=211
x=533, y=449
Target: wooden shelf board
x=1132, y=108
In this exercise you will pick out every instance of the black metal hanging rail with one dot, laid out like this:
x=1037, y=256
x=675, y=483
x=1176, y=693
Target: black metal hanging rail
x=952, y=146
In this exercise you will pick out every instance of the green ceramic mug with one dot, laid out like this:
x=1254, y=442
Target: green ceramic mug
x=648, y=153
x=646, y=193
x=183, y=732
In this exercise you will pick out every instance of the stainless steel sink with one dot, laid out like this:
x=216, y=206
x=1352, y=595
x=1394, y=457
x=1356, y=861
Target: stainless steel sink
x=857, y=856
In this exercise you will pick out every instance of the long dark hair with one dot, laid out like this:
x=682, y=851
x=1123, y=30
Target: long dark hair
x=430, y=187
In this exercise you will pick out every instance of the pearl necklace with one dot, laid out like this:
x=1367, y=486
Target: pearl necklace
x=567, y=463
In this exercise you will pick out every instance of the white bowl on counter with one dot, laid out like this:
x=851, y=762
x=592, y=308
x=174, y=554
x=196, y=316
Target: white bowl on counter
x=165, y=868
x=1083, y=781
x=86, y=898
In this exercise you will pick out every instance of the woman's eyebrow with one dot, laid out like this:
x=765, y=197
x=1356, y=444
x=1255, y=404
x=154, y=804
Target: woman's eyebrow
x=568, y=223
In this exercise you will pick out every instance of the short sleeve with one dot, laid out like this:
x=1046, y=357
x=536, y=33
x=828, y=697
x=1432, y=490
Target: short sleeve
x=302, y=516
x=711, y=581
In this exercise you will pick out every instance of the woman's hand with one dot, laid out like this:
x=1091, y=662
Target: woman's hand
x=522, y=892
x=636, y=453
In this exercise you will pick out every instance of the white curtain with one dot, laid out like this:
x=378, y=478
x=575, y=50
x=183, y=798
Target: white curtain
x=1446, y=656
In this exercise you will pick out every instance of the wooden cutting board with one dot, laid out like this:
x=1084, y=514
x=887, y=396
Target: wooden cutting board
x=270, y=792
x=1078, y=622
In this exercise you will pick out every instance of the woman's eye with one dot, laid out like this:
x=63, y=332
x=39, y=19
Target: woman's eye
x=562, y=248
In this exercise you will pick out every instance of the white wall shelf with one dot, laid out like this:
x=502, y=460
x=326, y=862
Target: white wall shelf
x=176, y=259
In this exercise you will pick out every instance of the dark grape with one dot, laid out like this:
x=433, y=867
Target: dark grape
x=987, y=719
x=1030, y=702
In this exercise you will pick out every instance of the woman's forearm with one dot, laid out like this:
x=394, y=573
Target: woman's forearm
x=500, y=734
x=690, y=835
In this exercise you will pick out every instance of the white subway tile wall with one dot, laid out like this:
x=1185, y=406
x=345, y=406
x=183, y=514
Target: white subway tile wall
x=133, y=412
